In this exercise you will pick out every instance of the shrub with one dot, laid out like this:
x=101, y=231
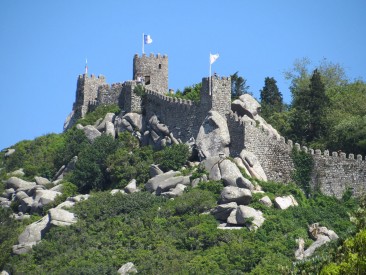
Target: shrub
x=37, y=157
x=99, y=112
x=173, y=157
x=304, y=164
x=91, y=168
x=125, y=165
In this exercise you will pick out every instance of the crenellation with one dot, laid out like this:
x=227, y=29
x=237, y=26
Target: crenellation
x=184, y=117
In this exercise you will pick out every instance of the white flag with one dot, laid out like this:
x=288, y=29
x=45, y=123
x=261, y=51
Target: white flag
x=147, y=39
x=213, y=57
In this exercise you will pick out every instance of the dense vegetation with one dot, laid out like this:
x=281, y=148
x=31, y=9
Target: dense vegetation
x=176, y=236
x=179, y=236
x=327, y=111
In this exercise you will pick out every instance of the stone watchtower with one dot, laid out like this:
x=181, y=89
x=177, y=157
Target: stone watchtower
x=86, y=93
x=153, y=71
x=220, y=98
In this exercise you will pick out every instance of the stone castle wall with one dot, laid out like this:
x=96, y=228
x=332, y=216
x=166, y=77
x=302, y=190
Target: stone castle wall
x=332, y=174
x=184, y=117
x=108, y=95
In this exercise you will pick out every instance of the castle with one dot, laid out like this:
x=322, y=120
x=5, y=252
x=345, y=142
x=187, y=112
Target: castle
x=332, y=173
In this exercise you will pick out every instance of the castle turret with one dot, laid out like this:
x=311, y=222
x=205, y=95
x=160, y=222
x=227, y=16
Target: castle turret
x=87, y=93
x=219, y=99
x=153, y=71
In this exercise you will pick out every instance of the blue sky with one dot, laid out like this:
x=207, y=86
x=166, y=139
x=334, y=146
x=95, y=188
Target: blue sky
x=44, y=44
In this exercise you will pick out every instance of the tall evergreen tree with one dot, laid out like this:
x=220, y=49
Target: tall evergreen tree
x=238, y=85
x=271, y=97
x=310, y=105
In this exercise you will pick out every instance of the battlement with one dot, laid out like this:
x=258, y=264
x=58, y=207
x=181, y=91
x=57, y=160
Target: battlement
x=157, y=56
x=169, y=99
x=92, y=76
x=290, y=144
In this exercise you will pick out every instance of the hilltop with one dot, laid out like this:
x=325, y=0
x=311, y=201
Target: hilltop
x=142, y=180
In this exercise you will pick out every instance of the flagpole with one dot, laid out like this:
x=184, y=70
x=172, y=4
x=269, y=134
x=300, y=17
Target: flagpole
x=209, y=79
x=143, y=49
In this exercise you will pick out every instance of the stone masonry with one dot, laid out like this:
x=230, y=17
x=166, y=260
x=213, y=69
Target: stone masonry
x=332, y=174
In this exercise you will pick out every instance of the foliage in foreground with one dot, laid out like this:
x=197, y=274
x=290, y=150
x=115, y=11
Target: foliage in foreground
x=177, y=237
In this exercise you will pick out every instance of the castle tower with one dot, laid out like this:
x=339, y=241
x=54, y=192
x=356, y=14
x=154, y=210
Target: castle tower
x=86, y=93
x=153, y=70
x=220, y=98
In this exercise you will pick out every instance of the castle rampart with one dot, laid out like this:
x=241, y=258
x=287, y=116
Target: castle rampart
x=332, y=173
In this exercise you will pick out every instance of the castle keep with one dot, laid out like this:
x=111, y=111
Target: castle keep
x=332, y=173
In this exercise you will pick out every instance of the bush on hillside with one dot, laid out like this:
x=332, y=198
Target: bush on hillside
x=173, y=157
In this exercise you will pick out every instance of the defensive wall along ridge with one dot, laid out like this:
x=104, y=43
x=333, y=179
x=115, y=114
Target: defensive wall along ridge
x=332, y=173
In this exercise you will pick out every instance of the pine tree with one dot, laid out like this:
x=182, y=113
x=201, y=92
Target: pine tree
x=310, y=105
x=271, y=98
x=238, y=85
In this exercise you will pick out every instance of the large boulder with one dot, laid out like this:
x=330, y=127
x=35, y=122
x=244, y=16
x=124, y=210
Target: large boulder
x=153, y=183
x=128, y=268
x=46, y=196
x=250, y=217
x=61, y=217
x=16, y=173
x=131, y=187
x=109, y=129
x=91, y=132
x=285, y=202
x=17, y=183
x=222, y=211
x=213, y=137
x=32, y=234
x=238, y=106
x=9, y=152
x=241, y=196
x=154, y=170
x=211, y=165
x=26, y=204
x=108, y=118
x=219, y=168
x=232, y=176
x=175, y=192
x=250, y=104
x=321, y=235
x=266, y=201
x=171, y=183
x=252, y=164
x=135, y=120
x=41, y=181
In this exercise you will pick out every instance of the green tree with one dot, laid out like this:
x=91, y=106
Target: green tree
x=191, y=92
x=91, y=168
x=238, y=85
x=309, y=110
x=271, y=98
x=173, y=157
